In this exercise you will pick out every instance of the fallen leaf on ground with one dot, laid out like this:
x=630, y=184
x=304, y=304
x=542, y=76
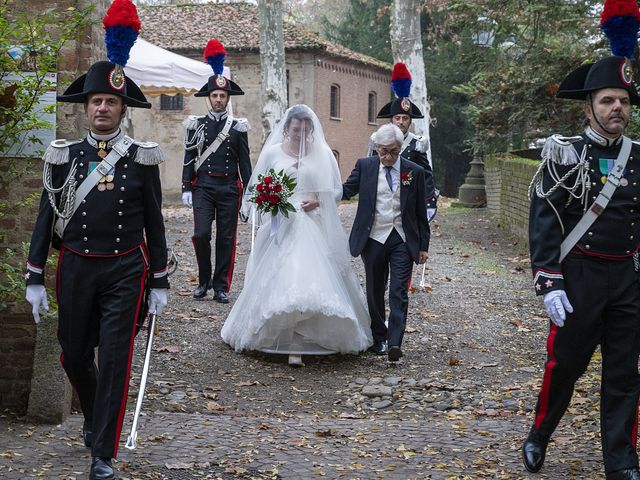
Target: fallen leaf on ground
x=168, y=349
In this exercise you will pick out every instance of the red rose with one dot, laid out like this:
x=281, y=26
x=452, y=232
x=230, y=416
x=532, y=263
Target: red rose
x=262, y=198
x=259, y=187
x=267, y=180
x=277, y=188
x=274, y=199
x=267, y=188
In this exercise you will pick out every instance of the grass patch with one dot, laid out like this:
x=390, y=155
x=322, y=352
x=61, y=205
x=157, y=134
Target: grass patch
x=479, y=259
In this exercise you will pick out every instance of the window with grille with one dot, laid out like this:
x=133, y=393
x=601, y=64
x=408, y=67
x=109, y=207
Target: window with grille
x=334, y=111
x=373, y=107
x=171, y=102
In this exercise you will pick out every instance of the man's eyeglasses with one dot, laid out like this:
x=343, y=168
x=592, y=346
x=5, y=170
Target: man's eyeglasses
x=384, y=152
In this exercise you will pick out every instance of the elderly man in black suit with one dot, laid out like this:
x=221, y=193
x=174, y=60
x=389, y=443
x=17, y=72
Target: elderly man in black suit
x=390, y=232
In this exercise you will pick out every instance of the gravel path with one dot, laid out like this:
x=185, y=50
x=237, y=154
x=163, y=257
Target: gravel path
x=458, y=406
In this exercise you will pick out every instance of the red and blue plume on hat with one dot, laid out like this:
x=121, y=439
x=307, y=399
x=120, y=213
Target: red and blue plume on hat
x=620, y=21
x=122, y=25
x=214, y=54
x=401, y=80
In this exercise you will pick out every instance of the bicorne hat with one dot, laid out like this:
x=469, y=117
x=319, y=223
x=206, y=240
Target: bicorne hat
x=122, y=25
x=401, y=85
x=609, y=72
x=214, y=54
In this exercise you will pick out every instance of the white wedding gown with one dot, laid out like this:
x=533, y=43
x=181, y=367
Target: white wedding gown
x=299, y=297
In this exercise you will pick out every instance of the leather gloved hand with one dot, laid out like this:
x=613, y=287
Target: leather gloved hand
x=557, y=304
x=157, y=300
x=187, y=199
x=37, y=297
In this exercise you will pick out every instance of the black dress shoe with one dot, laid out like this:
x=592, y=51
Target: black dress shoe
x=200, y=292
x=221, y=297
x=87, y=435
x=533, y=452
x=379, y=347
x=626, y=474
x=394, y=353
x=101, y=469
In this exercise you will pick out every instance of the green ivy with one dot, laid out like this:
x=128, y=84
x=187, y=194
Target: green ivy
x=42, y=37
x=12, y=275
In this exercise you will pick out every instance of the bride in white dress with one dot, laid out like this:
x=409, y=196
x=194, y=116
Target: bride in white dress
x=300, y=294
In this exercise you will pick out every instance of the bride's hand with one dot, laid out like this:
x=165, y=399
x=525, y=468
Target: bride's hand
x=309, y=205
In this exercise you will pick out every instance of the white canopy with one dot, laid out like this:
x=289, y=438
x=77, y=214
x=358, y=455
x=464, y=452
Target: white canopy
x=159, y=71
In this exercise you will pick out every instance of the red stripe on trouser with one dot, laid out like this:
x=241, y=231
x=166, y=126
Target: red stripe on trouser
x=123, y=405
x=634, y=431
x=235, y=236
x=57, y=293
x=543, y=399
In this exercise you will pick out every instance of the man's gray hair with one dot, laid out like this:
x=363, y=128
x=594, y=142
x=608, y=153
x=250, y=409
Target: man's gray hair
x=388, y=134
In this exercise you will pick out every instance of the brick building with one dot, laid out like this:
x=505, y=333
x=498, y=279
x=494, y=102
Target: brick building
x=345, y=89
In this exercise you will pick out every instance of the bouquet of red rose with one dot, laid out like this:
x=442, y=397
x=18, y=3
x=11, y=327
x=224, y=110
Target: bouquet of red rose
x=271, y=192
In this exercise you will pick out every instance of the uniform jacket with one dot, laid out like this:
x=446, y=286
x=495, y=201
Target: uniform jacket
x=108, y=223
x=230, y=159
x=416, y=152
x=614, y=235
x=363, y=181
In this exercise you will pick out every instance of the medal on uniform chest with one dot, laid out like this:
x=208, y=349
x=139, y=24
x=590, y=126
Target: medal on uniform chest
x=605, y=165
x=106, y=181
x=102, y=152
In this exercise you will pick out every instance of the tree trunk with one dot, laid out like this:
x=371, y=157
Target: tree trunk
x=272, y=62
x=406, y=46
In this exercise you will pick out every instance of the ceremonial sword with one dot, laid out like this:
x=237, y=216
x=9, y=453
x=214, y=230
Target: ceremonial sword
x=131, y=444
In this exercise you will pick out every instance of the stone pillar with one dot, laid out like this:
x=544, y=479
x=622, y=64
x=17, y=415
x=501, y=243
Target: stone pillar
x=50, y=397
x=472, y=193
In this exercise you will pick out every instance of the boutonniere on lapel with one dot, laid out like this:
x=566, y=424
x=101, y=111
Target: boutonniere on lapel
x=406, y=178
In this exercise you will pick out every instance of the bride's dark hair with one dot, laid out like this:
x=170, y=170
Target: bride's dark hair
x=302, y=113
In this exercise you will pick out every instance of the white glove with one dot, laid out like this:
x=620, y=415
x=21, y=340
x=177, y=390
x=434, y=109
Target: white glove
x=187, y=199
x=37, y=297
x=431, y=212
x=157, y=300
x=555, y=303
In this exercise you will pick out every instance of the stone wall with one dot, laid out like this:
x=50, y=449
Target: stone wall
x=507, y=179
x=18, y=339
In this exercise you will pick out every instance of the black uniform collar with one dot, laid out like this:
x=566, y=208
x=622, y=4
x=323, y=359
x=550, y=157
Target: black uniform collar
x=217, y=117
x=111, y=139
x=601, y=140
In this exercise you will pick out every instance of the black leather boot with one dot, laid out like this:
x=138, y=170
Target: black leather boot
x=200, y=292
x=379, y=347
x=101, y=469
x=221, y=296
x=533, y=452
x=626, y=474
x=394, y=353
